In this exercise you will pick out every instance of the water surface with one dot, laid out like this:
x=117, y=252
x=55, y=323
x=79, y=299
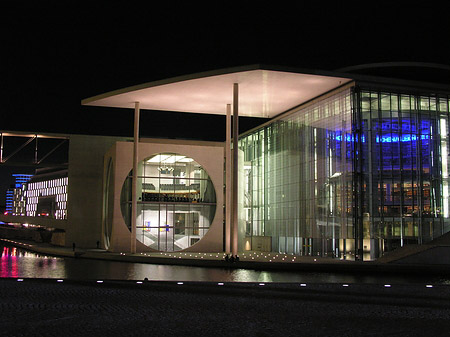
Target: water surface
x=19, y=263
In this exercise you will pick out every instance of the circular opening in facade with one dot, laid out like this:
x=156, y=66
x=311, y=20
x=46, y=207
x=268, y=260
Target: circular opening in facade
x=176, y=202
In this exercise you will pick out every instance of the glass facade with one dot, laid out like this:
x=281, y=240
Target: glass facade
x=352, y=174
x=177, y=202
x=402, y=174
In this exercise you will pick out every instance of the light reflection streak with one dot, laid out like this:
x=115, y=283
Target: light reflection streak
x=8, y=264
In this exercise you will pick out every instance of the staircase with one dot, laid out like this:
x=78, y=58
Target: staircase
x=436, y=251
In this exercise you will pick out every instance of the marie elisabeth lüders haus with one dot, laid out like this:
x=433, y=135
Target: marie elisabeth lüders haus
x=347, y=166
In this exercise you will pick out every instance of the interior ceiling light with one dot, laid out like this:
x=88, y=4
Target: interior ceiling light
x=172, y=159
x=158, y=158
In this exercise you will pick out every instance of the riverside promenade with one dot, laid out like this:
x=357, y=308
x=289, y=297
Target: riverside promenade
x=93, y=307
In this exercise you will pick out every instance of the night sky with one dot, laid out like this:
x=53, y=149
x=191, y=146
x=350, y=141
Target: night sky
x=53, y=56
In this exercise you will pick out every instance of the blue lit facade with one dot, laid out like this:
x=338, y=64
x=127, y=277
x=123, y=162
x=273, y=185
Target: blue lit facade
x=352, y=174
x=401, y=174
x=15, y=199
x=9, y=201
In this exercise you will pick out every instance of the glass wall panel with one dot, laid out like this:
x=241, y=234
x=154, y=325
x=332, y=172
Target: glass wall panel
x=358, y=173
x=298, y=179
x=405, y=166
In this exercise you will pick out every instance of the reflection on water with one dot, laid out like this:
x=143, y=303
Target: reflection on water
x=16, y=262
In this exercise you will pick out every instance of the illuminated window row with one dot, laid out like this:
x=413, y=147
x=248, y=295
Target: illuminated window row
x=47, y=191
x=48, y=183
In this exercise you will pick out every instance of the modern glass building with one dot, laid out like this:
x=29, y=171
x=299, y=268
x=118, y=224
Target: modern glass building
x=347, y=165
x=356, y=172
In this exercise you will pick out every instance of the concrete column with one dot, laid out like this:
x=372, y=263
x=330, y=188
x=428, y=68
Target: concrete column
x=134, y=197
x=234, y=227
x=228, y=181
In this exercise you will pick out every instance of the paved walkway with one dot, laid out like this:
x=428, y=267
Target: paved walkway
x=49, y=308
x=176, y=257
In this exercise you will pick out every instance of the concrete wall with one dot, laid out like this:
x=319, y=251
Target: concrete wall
x=207, y=154
x=85, y=191
x=32, y=234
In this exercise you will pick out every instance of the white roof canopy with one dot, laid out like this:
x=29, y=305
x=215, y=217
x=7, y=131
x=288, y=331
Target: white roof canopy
x=262, y=92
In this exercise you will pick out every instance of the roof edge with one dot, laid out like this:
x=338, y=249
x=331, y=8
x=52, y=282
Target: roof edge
x=170, y=80
x=395, y=64
x=209, y=73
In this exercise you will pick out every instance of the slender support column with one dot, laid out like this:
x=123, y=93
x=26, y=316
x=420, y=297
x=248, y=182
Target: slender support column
x=134, y=196
x=234, y=228
x=228, y=181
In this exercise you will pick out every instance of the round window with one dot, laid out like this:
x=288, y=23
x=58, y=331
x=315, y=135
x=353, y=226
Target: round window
x=176, y=202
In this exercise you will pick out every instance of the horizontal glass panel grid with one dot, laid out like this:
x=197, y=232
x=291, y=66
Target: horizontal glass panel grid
x=293, y=168
x=167, y=177
x=177, y=202
x=404, y=156
x=171, y=226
